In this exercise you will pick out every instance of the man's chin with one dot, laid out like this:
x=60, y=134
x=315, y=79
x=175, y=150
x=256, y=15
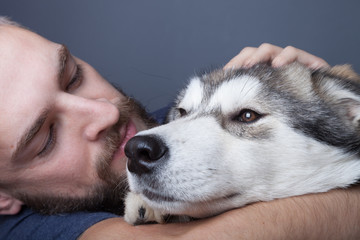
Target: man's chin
x=107, y=198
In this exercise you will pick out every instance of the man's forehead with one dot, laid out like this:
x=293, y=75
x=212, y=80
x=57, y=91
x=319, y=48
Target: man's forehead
x=28, y=64
x=27, y=61
x=20, y=48
x=17, y=32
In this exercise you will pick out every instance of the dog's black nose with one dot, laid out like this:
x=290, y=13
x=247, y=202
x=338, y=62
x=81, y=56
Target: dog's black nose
x=143, y=153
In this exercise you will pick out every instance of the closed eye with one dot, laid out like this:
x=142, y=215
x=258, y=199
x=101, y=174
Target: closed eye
x=49, y=143
x=76, y=80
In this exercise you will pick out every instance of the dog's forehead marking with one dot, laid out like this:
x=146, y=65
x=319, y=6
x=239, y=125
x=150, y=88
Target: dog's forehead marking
x=237, y=92
x=193, y=95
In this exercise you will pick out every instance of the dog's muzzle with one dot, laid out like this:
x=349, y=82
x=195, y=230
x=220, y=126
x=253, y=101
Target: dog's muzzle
x=144, y=153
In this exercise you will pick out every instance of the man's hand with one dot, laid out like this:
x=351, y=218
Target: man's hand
x=274, y=55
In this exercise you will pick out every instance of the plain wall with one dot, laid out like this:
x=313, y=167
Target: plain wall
x=151, y=47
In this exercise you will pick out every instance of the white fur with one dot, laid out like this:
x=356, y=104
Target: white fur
x=193, y=95
x=134, y=203
x=234, y=93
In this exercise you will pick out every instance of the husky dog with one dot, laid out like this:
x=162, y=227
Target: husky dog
x=242, y=136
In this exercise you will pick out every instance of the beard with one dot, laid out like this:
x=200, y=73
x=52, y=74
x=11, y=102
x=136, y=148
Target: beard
x=109, y=192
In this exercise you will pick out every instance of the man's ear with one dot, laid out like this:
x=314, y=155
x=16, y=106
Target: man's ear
x=8, y=204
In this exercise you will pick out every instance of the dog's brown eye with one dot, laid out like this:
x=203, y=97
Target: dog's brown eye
x=182, y=112
x=248, y=116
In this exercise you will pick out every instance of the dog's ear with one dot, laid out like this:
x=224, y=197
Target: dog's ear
x=344, y=71
x=8, y=204
x=350, y=108
x=340, y=88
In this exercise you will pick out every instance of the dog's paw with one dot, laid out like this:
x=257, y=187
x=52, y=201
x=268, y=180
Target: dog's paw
x=138, y=212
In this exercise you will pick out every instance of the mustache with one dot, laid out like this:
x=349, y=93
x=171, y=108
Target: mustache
x=127, y=107
x=112, y=142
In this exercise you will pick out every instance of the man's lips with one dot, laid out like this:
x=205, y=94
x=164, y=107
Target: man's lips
x=127, y=132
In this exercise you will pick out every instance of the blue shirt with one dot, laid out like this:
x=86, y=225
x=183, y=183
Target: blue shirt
x=30, y=225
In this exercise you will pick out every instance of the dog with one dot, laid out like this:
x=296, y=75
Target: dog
x=241, y=136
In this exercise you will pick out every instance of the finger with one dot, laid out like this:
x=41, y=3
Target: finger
x=291, y=54
x=238, y=60
x=265, y=53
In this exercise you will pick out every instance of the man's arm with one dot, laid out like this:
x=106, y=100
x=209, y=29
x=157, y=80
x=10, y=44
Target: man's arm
x=331, y=215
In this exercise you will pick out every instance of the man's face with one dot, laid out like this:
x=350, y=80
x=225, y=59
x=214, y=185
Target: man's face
x=62, y=126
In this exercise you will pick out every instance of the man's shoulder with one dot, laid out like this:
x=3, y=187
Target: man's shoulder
x=30, y=225
x=160, y=114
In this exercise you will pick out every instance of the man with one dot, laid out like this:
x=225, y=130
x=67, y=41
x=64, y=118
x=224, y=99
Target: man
x=63, y=130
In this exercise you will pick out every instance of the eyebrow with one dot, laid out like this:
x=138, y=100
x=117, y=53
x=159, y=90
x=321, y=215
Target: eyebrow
x=30, y=133
x=63, y=57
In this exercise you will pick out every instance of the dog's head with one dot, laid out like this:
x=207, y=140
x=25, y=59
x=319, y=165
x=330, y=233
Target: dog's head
x=236, y=137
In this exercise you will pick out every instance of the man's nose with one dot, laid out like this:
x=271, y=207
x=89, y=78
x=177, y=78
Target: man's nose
x=92, y=116
x=104, y=114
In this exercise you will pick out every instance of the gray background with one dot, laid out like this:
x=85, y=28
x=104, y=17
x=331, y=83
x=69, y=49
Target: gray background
x=151, y=47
